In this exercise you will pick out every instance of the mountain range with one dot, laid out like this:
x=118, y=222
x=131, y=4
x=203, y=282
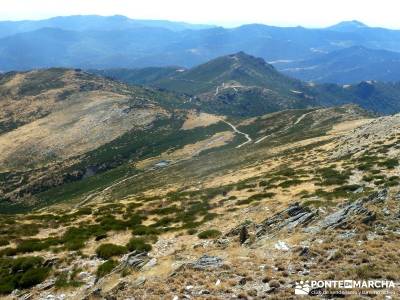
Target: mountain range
x=118, y=42
x=349, y=65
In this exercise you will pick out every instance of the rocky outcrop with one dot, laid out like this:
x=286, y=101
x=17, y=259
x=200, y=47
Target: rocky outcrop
x=207, y=262
x=347, y=214
x=290, y=218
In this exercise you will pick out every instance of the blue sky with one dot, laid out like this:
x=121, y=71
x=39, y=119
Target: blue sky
x=309, y=13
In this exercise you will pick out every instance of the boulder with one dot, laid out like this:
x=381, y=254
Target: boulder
x=208, y=262
x=345, y=215
x=293, y=216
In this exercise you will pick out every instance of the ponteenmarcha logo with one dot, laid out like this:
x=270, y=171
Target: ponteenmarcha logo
x=306, y=287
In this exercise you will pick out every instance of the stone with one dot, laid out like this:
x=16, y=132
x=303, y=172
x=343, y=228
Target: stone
x=135, y=259
x=208, y=262
x=46, y=285
x=293, y=216
x=150, y=264
x=346, y=235
x=280, y=245
x=343, y=216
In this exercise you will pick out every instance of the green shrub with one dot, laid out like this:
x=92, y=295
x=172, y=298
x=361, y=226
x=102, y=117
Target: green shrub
x=8, y=252
x=330, y=176
x=106, y=268
x=33, y=276
x=20, y=273
x=4, y=242
x=144, y=230
x=32, y=245
x=138, y=244
x=390, y=163
x=209, y=234
x=107, y=251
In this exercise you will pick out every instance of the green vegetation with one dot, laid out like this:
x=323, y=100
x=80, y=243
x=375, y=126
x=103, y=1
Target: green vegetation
x=65, y=280
x=21, y=273
x=106, y=251
x=331, y=176
x=209, y=234
x=106, y=268
x=138, y=244
x=390, y=163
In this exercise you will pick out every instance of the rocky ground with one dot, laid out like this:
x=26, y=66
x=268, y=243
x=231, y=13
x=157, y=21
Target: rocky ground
x=245, y=223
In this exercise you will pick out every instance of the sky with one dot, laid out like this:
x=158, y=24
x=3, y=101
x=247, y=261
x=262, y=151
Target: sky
x=308, y=13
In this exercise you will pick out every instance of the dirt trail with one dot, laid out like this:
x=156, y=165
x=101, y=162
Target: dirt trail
x=249, y=139
x=301, y=118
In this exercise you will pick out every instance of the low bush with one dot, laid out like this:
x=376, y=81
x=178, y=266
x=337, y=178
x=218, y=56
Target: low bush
x=209, y=234
x=4, y=242
x=390, y=163
x=138, y=244
x=144, y=230
x=20, y=273
x=106, y=268
x=107, y=251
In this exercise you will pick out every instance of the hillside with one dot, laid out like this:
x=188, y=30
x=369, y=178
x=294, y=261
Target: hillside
x=350, y=65
x=238, y=84
x=243, y=85
x=59, y=126
x=248, y=219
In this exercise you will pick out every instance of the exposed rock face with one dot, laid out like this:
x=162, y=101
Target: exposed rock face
x=290, y=218
x=368, y=134
x=208, y=262
x=345, y=215
x=135, y=259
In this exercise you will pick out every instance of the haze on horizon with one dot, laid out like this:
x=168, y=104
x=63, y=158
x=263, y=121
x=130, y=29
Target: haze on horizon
x=308, y=13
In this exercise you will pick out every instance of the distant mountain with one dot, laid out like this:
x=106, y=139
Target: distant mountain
x=94, y=42
x=347, y=26
x=92, y=22
x=349, y=65
x=238, y=84
x=243, y=85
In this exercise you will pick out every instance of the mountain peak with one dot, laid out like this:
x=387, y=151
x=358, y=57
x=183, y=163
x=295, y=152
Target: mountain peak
x=348, y=26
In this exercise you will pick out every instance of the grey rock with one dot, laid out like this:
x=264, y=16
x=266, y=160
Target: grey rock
x=343, y=216
x=346, y=235
x=135, y=259
x=359, y=190
x=150, y=264
x=208, y=262
x=46, y=284
x=290, y=218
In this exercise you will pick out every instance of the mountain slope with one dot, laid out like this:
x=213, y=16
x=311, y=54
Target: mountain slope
x=59, y=126
x=243, y=85
x=345, y=66
x=347, y=26
x=238, y=84
x=320, y=180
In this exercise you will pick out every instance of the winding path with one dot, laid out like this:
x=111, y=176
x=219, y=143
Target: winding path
x=249, y=139
x=301, y=118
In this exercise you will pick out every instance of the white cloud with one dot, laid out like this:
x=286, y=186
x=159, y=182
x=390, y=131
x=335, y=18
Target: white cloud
x=225, y=12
